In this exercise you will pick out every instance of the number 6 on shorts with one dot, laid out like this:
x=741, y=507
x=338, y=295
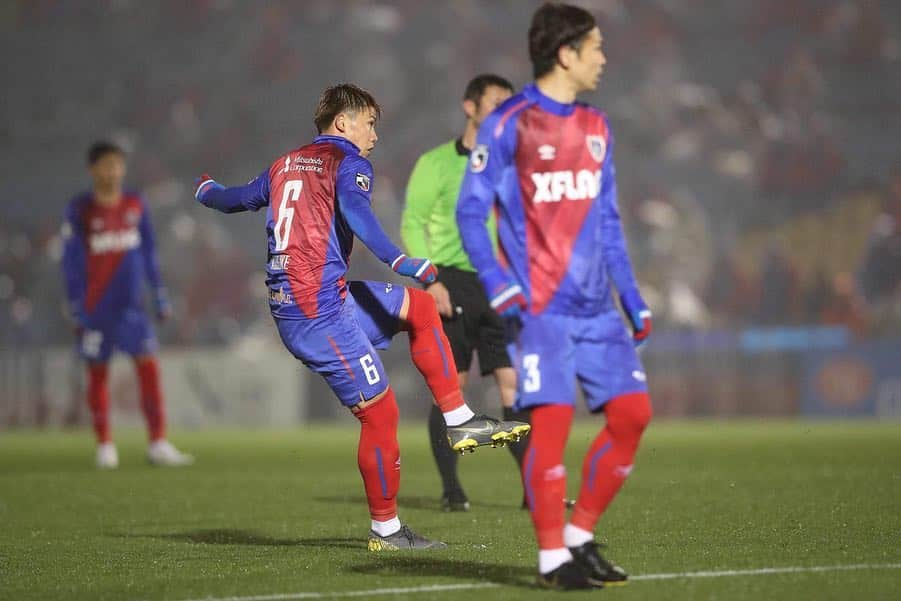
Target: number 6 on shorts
x=369, y=369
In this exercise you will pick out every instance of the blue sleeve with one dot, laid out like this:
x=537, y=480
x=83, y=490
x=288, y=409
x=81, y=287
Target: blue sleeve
x=616, y=257
x=487, y=163
x=148, y=254
x=252, y=196
x=353, y=185
x=74, y=260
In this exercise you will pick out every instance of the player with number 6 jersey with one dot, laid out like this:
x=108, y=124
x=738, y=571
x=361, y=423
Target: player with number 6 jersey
x=318, y=200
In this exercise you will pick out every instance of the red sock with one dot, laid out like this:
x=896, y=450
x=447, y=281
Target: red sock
x=98, y=400
x=431, y=351
x=544, y=474
x=379, y=456
x=609, y=460
x=151, y=397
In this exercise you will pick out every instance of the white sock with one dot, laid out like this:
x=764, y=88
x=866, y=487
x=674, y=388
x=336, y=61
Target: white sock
x=386, y=528
x=551, y=559
x=573, y=536
x=457, y=416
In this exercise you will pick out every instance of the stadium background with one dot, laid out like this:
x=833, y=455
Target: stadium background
x=758, y=161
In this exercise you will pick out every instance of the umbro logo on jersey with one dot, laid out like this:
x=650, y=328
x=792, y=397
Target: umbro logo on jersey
x=363, y=182
x=546, y=152
x=597, y=147
x=639, y=375
x=388, y=287
x=554, y=186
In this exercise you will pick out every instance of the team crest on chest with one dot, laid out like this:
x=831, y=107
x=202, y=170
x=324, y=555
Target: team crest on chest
x=363, y=182
x=597, y=147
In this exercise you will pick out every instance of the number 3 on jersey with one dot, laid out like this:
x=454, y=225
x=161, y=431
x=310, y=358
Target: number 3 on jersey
x=532, y=380
x=282, y=228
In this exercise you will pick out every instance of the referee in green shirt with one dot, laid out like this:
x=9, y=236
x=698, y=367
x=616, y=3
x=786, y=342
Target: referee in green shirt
x=429, y=229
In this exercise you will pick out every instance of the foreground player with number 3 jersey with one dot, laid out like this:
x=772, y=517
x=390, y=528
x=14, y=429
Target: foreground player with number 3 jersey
x=318, y=199
x=544, y=163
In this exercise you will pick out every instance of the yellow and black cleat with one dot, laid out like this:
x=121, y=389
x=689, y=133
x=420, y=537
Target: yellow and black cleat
x=482, y=430
x=402, y=540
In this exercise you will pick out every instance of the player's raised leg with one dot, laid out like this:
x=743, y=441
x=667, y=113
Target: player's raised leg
x=381, y=316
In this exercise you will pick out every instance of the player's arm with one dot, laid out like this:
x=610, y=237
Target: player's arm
x=152, y=266
x=420, y=202
x=252, y=196
x=487, y=163
x=74, y=264
x=353, y=185
x=616, y=257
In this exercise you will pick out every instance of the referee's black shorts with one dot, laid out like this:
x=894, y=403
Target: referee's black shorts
x=477, y=328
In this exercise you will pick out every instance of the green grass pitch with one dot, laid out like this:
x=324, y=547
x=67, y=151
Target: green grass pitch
x=267, y=514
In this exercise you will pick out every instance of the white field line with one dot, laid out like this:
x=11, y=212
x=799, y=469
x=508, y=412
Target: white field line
x=436, y=588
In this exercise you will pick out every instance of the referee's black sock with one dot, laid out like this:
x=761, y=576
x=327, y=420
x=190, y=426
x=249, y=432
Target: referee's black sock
x=445, y=457
x=517, y=449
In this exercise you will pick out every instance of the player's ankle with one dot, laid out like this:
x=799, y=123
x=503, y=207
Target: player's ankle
x=551, y=559
x=387, y=527
x=457, y=416
x=574, y=536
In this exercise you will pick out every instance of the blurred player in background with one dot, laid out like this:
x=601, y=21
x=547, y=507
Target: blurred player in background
x=544, y=162
x=318, y=199
x=108, y=253
x=429, y=228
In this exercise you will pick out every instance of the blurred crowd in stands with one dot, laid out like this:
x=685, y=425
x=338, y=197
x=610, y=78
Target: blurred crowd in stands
x=757, y=147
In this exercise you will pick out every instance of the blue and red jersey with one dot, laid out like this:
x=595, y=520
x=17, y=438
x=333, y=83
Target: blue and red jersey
x=108, y=254
x=547, y=171
x=318, y=197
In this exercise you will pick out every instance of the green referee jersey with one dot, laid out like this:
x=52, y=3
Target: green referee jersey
x=429, y=223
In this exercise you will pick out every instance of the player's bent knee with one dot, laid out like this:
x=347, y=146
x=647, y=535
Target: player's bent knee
x=422, y=311
x=629, y=414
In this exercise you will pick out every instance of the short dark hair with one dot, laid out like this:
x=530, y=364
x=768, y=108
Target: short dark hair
x=555, y=25
x=343, y=97
x=101, y=148
x=475, y=89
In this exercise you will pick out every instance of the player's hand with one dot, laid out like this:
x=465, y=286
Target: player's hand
x=508, y=300
x=163, y=306
x=442, y=298
x=639, y=316
x=75, y=317
x=202, y=184
x=421, y=270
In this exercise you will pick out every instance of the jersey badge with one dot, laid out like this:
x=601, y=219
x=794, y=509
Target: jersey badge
x=363, y=182
x=597, y=147
x=478, y=159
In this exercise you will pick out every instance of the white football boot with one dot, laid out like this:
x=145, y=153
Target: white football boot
x=107, y=456
x=161, y=452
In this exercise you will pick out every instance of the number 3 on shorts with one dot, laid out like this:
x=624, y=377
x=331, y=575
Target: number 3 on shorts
x=532, y=380
x=369, y=368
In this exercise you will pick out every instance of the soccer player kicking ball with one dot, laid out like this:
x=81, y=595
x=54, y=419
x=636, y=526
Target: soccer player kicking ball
x=108, y=252
x=545, y=163
x=318, y=199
